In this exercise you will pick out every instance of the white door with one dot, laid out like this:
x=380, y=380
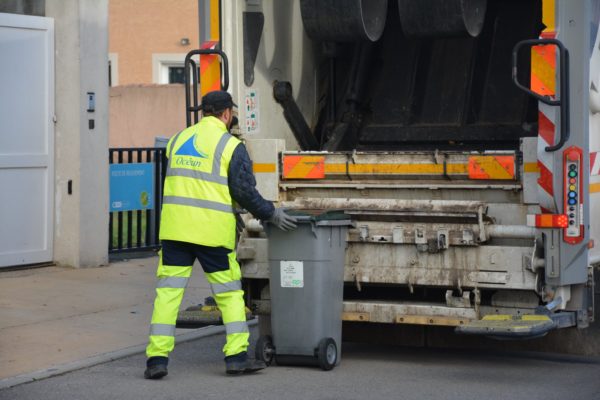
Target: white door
x=26, y=139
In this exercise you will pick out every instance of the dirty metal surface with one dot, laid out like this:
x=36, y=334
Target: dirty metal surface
x=424, y=206
x=483, y=267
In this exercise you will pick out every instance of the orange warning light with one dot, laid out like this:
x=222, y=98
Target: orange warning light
x=548, y=220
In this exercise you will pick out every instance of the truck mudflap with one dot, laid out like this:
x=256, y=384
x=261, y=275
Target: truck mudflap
x=502, y=326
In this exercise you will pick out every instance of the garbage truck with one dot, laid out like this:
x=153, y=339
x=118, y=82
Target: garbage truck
x=461, y=138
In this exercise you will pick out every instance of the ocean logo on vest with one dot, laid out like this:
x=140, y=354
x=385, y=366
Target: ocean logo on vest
x=189, y=149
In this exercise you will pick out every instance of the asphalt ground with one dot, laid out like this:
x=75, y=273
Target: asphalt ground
x=367, y=371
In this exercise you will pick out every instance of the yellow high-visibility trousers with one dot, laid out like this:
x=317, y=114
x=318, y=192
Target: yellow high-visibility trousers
x=174, y=270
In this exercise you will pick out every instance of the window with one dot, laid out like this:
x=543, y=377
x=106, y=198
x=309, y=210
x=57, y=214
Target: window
x=168, y=68
x=176, y=75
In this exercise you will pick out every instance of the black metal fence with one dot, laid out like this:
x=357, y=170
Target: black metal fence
x=137, y=230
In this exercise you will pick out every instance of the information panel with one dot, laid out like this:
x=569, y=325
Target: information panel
x=131, y=187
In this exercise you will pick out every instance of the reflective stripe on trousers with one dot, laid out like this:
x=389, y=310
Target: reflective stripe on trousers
x=170, y=287
x=227, y=292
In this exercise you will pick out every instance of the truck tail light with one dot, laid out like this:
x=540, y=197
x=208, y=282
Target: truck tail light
x=548, y=220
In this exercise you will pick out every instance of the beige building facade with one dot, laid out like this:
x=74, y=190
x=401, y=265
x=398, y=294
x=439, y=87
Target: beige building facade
x=148, y=40
x=140, y=113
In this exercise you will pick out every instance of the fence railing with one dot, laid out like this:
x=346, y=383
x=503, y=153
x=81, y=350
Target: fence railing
x=137, y=229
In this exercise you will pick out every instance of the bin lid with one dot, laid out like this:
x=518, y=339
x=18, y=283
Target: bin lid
x=321, y=218
x=161, y=141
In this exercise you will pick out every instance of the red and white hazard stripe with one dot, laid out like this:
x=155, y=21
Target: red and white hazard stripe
x=547, y=117
x=594, y=163
x=209, y=44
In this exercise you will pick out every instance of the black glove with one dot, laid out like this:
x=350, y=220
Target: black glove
x=282, y=220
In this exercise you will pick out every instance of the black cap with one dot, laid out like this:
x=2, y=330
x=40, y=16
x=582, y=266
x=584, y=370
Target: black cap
x=216, y=101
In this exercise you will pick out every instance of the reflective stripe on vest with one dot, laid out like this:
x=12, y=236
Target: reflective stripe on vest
x=197, y=206
x=186, y=201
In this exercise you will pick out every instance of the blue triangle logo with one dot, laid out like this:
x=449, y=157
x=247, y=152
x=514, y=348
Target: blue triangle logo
x=189, y=149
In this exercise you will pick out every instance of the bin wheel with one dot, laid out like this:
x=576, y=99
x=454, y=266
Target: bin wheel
x=265, y=351
x=327, y=354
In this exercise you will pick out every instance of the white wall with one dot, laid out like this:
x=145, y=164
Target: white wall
x=81, y=154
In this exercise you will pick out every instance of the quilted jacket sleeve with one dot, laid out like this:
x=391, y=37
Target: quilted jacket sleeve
x=242, y=185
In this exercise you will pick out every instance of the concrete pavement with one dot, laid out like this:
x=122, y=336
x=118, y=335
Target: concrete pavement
x=54, y=316
x=55, y=320
x=196, y=371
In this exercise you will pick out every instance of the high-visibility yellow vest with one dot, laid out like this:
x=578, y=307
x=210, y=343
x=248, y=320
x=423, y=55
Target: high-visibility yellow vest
x=197, y=207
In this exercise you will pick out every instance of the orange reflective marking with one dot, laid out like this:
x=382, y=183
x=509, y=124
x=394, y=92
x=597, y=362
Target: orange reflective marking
x=478, y=167
x=549, y=16
x=210, y=70
x=547, y=53
x=215, y=19
x=394, y=169
x=492, y=167
x=543, y=58
x=531, y=167
x=543, y=70
x=304, y=167
x=264, y=168
x=544, y=88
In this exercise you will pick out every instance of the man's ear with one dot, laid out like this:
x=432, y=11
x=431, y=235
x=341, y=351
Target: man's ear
x=227, y=114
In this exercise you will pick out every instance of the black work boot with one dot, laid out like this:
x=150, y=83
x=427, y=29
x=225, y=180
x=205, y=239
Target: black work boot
x=156, y=367
x=241, y=364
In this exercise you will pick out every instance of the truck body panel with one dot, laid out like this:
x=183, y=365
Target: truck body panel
x=440, y=160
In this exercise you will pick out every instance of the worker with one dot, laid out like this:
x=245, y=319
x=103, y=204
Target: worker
x=208, y=169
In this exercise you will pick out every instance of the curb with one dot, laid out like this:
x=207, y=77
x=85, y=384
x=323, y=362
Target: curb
x=104, y=358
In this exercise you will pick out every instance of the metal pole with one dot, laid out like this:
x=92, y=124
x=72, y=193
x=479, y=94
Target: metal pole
x=200, y=4
x=510, y=231
x=203, y=22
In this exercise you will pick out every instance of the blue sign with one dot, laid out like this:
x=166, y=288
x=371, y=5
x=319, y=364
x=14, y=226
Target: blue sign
x=131, y=187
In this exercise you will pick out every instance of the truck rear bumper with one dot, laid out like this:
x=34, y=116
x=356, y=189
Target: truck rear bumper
x=502, y=322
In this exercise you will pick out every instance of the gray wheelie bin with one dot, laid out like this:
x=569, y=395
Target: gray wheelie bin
x=306, y=283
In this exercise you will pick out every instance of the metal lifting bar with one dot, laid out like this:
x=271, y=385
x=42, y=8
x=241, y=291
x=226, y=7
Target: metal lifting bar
x=194, y=108
x=563, y=100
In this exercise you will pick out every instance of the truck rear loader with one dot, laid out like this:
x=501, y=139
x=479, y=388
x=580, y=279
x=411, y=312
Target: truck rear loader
x=460, y=136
